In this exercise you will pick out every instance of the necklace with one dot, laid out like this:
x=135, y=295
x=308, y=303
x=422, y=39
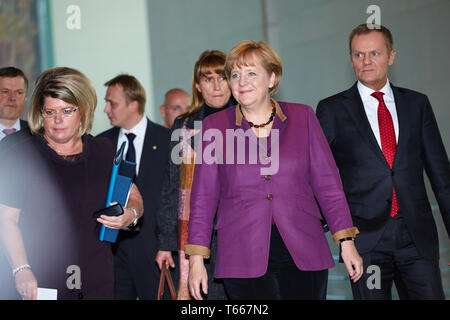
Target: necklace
x=60, y=152
x=54, y=149
x=272, y=115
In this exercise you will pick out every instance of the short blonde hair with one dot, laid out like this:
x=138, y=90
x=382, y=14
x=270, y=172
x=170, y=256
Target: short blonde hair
x=132, y=88
x=68, y=85
x=245, y=53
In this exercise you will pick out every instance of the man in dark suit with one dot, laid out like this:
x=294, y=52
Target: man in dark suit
x=13, y=94
x=382, y=138
x=136, y=273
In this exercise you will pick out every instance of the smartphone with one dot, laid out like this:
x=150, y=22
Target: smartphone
x=114, y=210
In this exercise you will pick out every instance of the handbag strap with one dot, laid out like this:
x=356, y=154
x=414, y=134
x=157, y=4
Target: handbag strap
x=165, y=276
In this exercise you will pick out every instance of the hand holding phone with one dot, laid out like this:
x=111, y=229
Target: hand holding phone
x=112, y=211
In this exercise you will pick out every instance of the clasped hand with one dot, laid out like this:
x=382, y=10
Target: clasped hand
x=117, y=222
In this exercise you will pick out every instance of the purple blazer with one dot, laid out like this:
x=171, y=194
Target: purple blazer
x=299, y=169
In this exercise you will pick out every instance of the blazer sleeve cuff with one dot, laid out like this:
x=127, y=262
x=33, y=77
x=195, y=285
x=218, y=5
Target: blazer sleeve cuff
x=345, y=233
x=192, y=249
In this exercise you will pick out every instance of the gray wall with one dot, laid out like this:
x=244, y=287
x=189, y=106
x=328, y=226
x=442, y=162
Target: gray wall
x=311, y=38
x=113, y=38
x=182, y=30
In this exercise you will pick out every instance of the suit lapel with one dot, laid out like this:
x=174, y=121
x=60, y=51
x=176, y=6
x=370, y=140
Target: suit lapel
x=115, y=136
x=355, y=109
x=404, y=123
x=150, y=145
x=23, y=125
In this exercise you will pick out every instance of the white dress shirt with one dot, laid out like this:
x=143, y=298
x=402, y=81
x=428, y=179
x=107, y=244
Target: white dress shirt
x=371, y=107
x=139, y=130
x=15, y=126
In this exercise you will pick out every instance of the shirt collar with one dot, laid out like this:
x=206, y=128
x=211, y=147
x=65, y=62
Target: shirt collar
x=366, y=92
x=138, y=129
x=279, y=112
x=15, y=126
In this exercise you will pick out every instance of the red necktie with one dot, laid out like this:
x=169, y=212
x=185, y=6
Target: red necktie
x=388, y=141
x=8, y=131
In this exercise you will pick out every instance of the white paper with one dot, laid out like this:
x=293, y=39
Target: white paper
x=47, y=294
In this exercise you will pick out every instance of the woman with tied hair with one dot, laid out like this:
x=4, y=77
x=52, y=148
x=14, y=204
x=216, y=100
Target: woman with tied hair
x=210, y=94
x=52, y=183
x=270, y=240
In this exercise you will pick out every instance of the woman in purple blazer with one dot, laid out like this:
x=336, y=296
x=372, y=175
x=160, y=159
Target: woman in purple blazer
x=264, y=165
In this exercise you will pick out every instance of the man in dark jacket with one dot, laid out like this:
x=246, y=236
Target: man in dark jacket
x=383, y=138
x=136, y=273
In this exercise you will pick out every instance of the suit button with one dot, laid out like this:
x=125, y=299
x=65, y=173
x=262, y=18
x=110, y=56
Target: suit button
x=269, y=196
x=80, y=296
x=267, y=177
x=392, y=173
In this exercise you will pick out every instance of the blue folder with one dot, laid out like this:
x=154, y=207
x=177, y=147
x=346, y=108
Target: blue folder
x=119, y=189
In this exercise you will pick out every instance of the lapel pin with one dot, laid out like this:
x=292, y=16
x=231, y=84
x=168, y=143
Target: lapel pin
x=155, y=147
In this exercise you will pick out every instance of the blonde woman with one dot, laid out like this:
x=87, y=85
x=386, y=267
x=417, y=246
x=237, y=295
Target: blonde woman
x=51, y=184
x=270, y=240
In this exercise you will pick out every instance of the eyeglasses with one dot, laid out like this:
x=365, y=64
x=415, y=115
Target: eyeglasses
x=65, y=113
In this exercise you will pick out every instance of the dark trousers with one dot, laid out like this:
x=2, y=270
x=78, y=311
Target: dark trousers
x=136, y=275
x=399, y=262
x=282, y=281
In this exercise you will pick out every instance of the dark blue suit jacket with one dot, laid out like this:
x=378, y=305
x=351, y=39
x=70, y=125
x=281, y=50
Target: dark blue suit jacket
x=367, y=178
x=149, y=182
x=149, y=179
